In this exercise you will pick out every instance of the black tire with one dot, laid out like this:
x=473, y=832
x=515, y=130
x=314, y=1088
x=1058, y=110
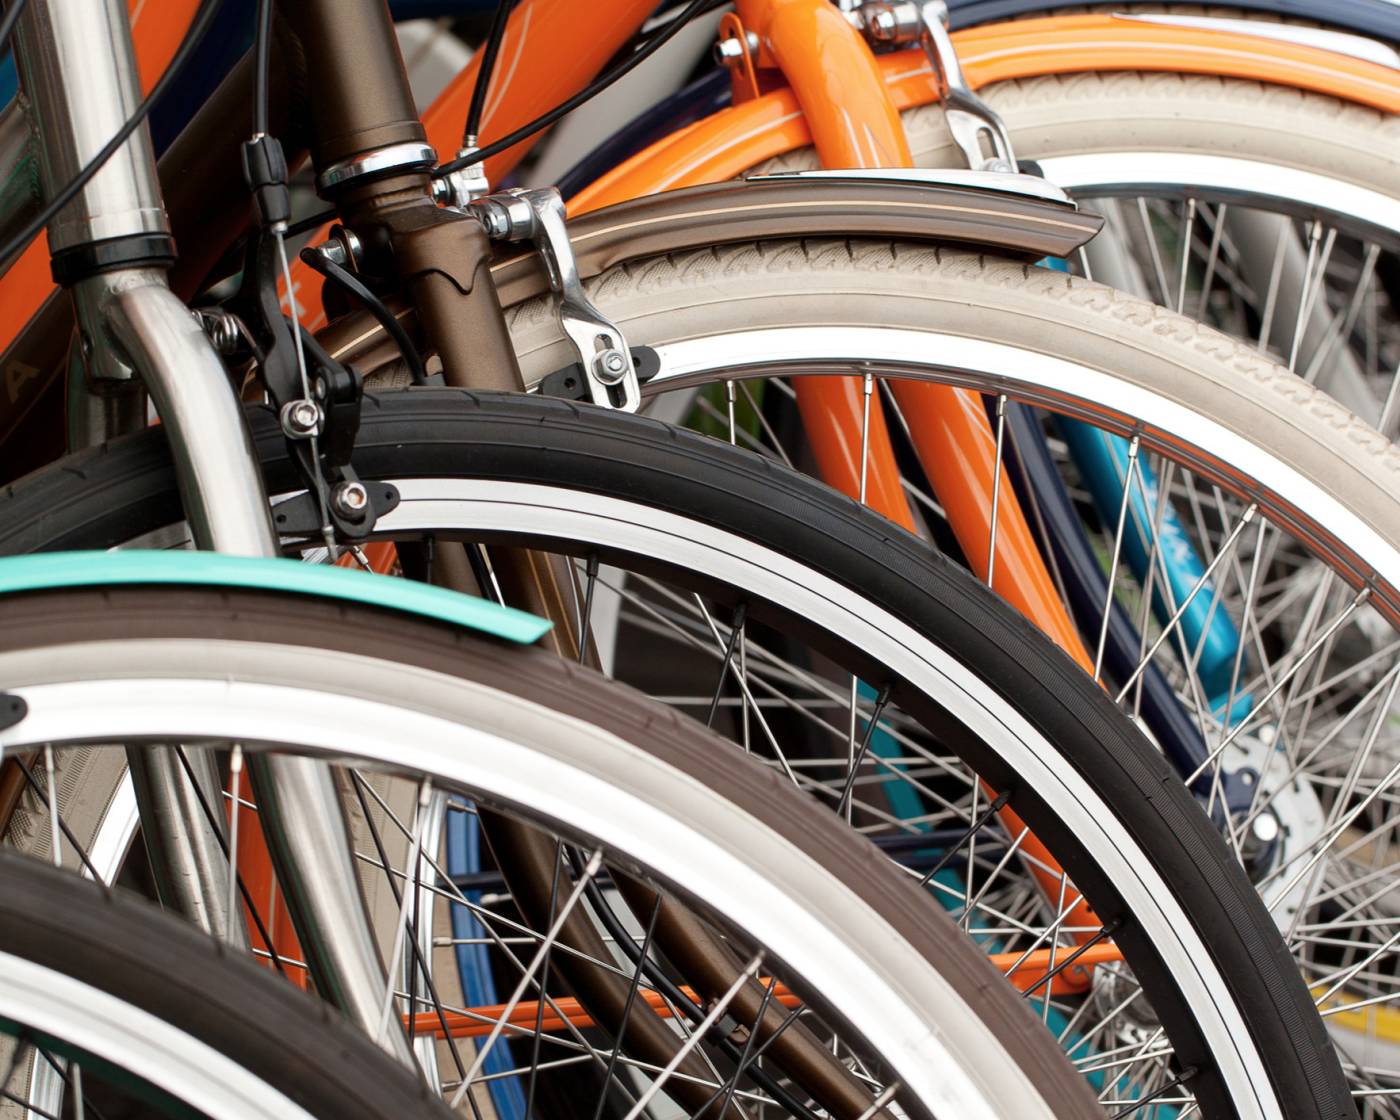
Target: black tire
x=113, y=494
x=124, y=947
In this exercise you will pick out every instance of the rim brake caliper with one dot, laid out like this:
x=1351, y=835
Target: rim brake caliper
x=607, y=369
x=977, y=130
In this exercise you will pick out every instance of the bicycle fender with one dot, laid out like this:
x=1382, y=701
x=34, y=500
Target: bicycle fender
x=57, y=571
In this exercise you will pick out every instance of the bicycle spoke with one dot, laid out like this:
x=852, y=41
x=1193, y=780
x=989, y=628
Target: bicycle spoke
x=595, y=861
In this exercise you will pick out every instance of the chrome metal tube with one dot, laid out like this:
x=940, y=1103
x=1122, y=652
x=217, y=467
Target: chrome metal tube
x=100, y=409
x=220, y=483
x=226, y=510
x=169, y=807
x=78, y=73
x=301, y=813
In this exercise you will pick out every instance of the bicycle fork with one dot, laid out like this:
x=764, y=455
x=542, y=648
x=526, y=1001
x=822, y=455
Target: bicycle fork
x=110, y=246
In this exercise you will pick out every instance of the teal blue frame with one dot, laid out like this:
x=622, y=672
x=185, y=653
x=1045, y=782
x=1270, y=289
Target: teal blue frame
x=57, y=571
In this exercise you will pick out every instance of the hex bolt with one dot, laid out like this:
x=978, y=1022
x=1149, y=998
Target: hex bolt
x=892, y=22
x=494, y=218
x=350, y=499
x=728, y=50
x=610, y=366
x=300, y=418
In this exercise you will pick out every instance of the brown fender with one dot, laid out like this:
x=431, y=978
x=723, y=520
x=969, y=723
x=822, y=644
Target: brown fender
x=780, y=207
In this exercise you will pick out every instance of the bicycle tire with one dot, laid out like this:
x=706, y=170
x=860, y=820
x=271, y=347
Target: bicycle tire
x=122, y=949
x=655, y=468
x=560, y=716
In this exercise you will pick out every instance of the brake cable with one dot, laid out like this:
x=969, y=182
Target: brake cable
x=316, y=397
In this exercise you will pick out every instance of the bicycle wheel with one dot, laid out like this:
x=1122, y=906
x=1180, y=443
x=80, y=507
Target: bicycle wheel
x=138, y=1014
x=1269, y=212
x=1317, y=754
x=915, y=1017
x=701, y=517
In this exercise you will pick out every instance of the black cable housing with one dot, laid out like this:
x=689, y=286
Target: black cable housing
x=492, y=47
x=316, y=259
x=640, y=55
x=203, y=19
x=262, y=66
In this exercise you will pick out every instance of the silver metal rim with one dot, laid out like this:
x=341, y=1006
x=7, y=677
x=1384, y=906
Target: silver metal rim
x=1060, y=385
x=556, y=768
x=1225, y=178
x=137, y=1041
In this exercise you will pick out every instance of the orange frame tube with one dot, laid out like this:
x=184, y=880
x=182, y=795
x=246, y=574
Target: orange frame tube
x=838, y=84
x=559, y=1013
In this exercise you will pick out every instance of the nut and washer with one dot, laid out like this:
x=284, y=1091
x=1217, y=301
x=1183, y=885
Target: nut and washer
x=343, y=248
x=300, y=418
x=507, y=217
x=610, y=366
x=894, y=23
x=730, y=50
x=350, y=499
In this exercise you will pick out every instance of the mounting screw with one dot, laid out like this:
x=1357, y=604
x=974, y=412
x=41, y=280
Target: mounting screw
x=610, y=366
x=300, y=418
x=350, y=499
x=883, y=25
x=730, y=50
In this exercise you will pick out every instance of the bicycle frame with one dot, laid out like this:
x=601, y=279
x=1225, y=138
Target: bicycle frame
x=765, y=125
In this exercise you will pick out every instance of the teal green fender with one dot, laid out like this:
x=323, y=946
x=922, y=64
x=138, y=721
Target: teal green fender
x=54, y=571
